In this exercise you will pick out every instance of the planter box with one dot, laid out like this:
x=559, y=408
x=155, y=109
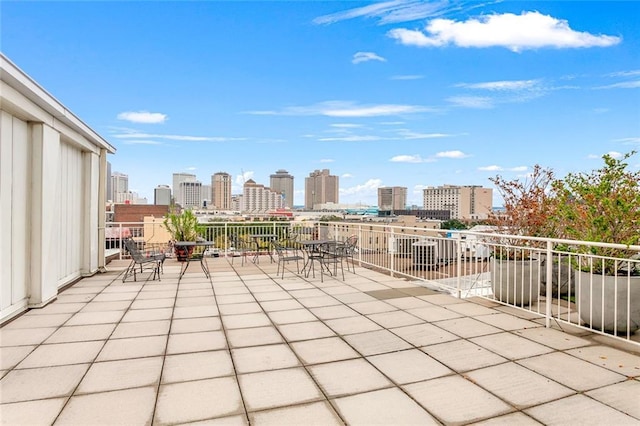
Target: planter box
x=515, y=282
x=593, y=289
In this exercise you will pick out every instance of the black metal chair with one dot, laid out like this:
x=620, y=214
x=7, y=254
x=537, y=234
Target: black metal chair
x=240, y=247
x=143, y=260
x=286, y=255
x=332, y=253
x=350, y=249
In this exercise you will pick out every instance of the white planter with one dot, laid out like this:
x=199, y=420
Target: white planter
x=604, y=316
x=516, y=282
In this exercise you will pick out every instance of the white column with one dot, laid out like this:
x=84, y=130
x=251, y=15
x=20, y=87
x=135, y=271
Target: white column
x=91, y=173
x=45, y=212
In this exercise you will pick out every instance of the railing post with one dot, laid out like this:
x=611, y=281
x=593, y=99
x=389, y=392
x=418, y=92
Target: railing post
x=226, y=239
x=120, y=239
x=549, y=285
x=391, y=251
x=459, y=264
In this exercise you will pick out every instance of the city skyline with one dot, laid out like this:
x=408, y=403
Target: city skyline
x=399, y=93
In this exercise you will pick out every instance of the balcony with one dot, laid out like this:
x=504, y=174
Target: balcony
x=246, y=347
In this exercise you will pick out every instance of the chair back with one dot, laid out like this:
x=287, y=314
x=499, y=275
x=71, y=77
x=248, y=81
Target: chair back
x=132, y=248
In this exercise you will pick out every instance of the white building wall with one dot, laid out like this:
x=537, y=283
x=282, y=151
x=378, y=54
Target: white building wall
x=51, y=166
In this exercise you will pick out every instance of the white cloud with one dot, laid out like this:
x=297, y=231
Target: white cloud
x=529, y=30
x=141, y=142
x=492, y=168
x=143, y=117
x=502, y=85
x=192, y=168
x=629, y=141
x=480, y=102
x=395, y=11
x=406, y=77
x=347, y=175
x=452, y=154
x=623, y=85
x=327, y=160
x=351, y=138
x=349, y=109
x=368, y=187
x=360, y=57
x=407, y=159
x=519, y=169
x=624, y=73
x=408, y=134
x=133, y=134
x=346, y=125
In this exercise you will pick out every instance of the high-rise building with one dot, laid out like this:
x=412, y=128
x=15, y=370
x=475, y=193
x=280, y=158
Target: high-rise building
x=281, y=181
x=205, y=196
x=257, y=198
x=392, y=198
x=319, y=188
x=464, y=202
x=221, y=191
x=162, y=195
x=178, y=178
x=119, y=187
x=190, y=194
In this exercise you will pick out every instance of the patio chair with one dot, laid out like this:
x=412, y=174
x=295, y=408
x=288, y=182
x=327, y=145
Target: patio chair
x=240, y=248
x=350, y=248
x=143, y=260
x=286, y=255
x=332, y=253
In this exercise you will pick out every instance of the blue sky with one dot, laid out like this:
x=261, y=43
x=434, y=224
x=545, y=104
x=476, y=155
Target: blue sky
x=405, y=92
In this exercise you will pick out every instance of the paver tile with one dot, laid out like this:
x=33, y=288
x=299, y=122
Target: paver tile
x=81, y=333
x=463, y=355
x=468, y=327
x=278, y=388
x=579, y=410
x=305, y=331
x=262, y=358
x=195, y=325
x=394, y=319
x=433, y=313
x=292, y=316
x=196, y=366
x=409, y=366
x=123, y=374
x=240, y=308
x=136, y=347
x=40, y=383
x=572, y=372
x=442, y=398
x=423, y=334
x=62, y=354
x=348, y=377
x=610, y=358
x=197, y=400
x=316, y=413
x=621, y=396
x=257, y=336
x=334, y=312
x=386, y=406
x=507, y=322
x=376, y=342
x=196, y=342
x=519, y=386
x=140, y=329
x=318, y=351
x=374, y=307
x=280, y=305
x=245, y=321
x=351, y=325
x=12, y=355
x=511, y=346
x=18, y=337
x=41, y=412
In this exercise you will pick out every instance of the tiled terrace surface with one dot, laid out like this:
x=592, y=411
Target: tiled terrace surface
x=246, y=347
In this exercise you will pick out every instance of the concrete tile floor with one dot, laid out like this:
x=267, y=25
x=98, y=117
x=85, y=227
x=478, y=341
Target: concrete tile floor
x=247, y=347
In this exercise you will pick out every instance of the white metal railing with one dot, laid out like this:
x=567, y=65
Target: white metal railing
x=550, y=277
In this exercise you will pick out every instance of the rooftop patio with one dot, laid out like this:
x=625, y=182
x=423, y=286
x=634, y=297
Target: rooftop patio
x=247, y=347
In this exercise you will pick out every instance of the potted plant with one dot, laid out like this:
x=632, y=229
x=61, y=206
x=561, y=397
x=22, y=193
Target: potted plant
x=182, y=227
x=604, y=206
x=517, y=263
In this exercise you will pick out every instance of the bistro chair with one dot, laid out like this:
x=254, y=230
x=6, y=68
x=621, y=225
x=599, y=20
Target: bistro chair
x=150, y=260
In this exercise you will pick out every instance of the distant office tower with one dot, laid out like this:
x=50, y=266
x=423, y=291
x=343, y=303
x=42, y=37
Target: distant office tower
x=464, y=202
x=205, y=196
x=221, y=191
x=119, y=187
x=320, y=188
x=178, y=178
x=162, y=195
x=282, y=182
x=257, y=198
x=190, y=194
x=392, y=198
